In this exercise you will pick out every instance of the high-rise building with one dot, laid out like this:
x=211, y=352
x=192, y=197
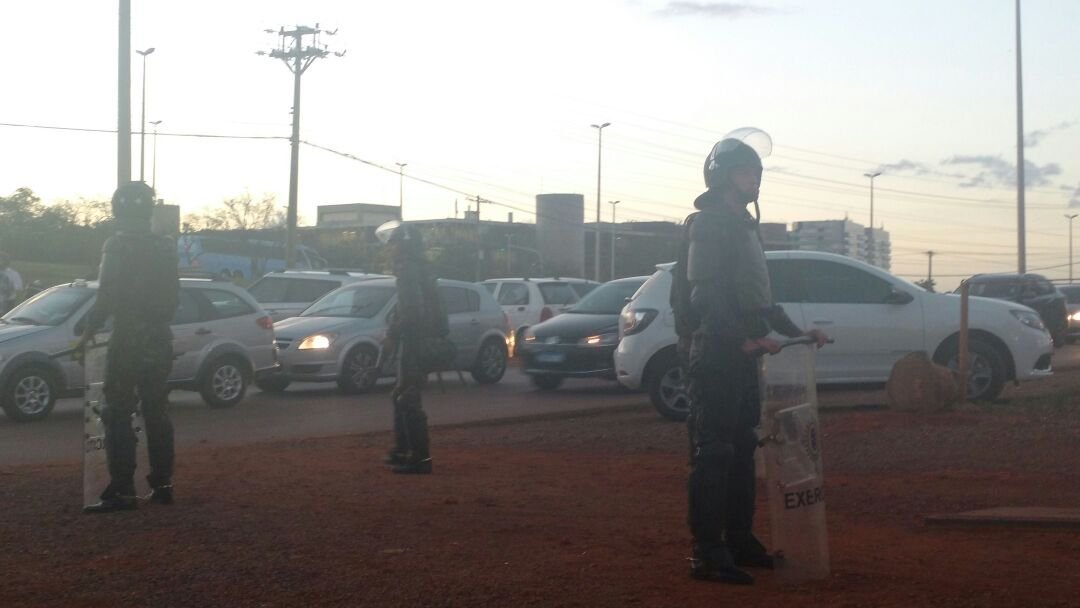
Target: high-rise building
x=844, y=237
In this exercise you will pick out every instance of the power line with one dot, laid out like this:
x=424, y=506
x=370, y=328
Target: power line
x=163, y=134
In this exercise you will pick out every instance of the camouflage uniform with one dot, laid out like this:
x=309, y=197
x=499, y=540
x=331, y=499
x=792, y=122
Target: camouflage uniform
x=139, y=290
x=419, y=318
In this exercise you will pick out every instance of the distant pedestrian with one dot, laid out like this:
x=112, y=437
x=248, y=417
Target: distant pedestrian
x=11, y=284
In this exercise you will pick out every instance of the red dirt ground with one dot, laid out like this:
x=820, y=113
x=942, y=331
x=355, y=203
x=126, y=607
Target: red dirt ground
x=587, y=511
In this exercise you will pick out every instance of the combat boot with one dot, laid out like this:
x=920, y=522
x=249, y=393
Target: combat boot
x=413, y=467
x=113, y=499
x=748, y=552
x=717, y=566
x=162, y=495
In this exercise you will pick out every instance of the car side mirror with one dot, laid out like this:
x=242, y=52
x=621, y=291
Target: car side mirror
x=898, y=296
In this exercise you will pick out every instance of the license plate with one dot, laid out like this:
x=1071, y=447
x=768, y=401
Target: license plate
x=550, y=357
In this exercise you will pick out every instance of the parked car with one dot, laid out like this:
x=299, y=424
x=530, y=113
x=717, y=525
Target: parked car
x=874, y=317
x=286, y=293
x=221, y=337
x=1072, y=305
x=530, y=301
x=339, y=338
x=1031, y=290
x=580, y=342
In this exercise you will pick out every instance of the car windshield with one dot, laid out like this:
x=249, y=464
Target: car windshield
x=51, y=307
x=607, y=299
x=362, y=302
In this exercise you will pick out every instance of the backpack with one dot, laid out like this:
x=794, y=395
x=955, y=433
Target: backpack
x=687, y=319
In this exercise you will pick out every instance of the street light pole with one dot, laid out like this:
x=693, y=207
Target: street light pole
x=123, y=95
x=1071, y=217
x=401, y=189
x=1021, y=244
x=153, y=172
x=872, y=253
x=599, y=157
x=613, y=203
x=142, y=128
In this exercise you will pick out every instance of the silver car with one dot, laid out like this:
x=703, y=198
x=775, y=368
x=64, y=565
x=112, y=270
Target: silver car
x=222, y=340
x=339, y=338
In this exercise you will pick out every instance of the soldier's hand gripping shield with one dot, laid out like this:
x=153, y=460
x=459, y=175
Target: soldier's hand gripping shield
x=791, y=438
x=94, y=359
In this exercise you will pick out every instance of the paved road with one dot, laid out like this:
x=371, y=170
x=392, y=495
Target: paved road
x=314, y=410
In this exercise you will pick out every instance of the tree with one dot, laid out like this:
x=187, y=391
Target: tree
x=927, y=284
x=239, y=213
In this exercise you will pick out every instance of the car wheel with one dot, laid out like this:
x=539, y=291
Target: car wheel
x=986, y=376
x=358, y=373
x=667, y=387
x=275, y=384
x=490, y=362
x=30, y=394
x=547, y=382
x=225, y=382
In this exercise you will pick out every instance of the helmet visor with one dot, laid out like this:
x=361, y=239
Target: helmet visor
x=754, y=137
x=386, y=231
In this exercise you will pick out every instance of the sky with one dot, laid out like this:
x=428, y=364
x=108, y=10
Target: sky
x=495, y=98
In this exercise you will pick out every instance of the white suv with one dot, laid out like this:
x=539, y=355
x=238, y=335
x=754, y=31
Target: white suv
x=527, y=302
x=874, y=317
x=286, y=293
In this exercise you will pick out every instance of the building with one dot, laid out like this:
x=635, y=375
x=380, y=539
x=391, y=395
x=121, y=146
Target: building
x=844, y=237
x=560, y=233
x=355, y=215
x=774, y=237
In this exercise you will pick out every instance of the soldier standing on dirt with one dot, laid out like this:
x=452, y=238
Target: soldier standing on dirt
x=723, y=303
x=419, y=322
x=138, y=288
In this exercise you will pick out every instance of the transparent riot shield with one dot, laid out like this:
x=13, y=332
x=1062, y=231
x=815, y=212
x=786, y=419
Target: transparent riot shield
x=791, y=439
x=95, y=464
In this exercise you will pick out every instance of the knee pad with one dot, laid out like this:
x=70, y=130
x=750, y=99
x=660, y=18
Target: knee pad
x=115, y=418
x=713, y=459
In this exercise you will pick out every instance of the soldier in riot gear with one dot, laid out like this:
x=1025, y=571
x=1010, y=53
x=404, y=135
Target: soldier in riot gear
x=417, y=327
x=723, y=305
x=138, y=289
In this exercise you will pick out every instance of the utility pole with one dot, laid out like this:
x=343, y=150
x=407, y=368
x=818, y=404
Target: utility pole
x=599, y=157
x=123, y=96
x=1071, y=217
x=872, y=253
x=613, y=203
x=1021, y=245
x=298, y=58
x=401, y=189
x=479, y=242
x=509, y=254
x=153, y=172
x=929, y=267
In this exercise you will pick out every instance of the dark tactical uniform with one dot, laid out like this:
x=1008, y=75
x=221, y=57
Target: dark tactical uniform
x=419, y=322
x=139, y=289
x=721, y=297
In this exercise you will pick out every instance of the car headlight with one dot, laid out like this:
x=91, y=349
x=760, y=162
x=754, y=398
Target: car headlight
x=1075, y=316
x=635, y=321
x=1031, y=319
x=600, y=340
x=316, y=342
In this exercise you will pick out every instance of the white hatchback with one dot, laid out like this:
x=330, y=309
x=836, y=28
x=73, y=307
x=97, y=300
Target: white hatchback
x=527, y=302
x=874, y=317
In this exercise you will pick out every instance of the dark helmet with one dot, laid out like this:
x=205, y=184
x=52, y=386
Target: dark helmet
x=742, y=147
x=133, y=200
x=405, y=237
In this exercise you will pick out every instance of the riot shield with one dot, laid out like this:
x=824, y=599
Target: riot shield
x=791, y=439
x=95, y=463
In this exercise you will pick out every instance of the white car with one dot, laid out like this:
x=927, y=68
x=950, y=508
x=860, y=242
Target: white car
x=286, y=293
x=874, y=317
x=527, y=302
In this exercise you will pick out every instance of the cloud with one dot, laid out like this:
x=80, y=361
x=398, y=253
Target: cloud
x=914, y=168
x=1034, y=138
x=995, y=171
x=1075, y=200
x=723, y=10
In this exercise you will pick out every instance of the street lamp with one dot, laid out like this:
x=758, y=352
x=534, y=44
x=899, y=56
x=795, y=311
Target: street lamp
x=401, y=189
x=153, y=172
x=613, y=203
x=1070, y=217
x=599, y=156
x=142, y=129
x=872, y=254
